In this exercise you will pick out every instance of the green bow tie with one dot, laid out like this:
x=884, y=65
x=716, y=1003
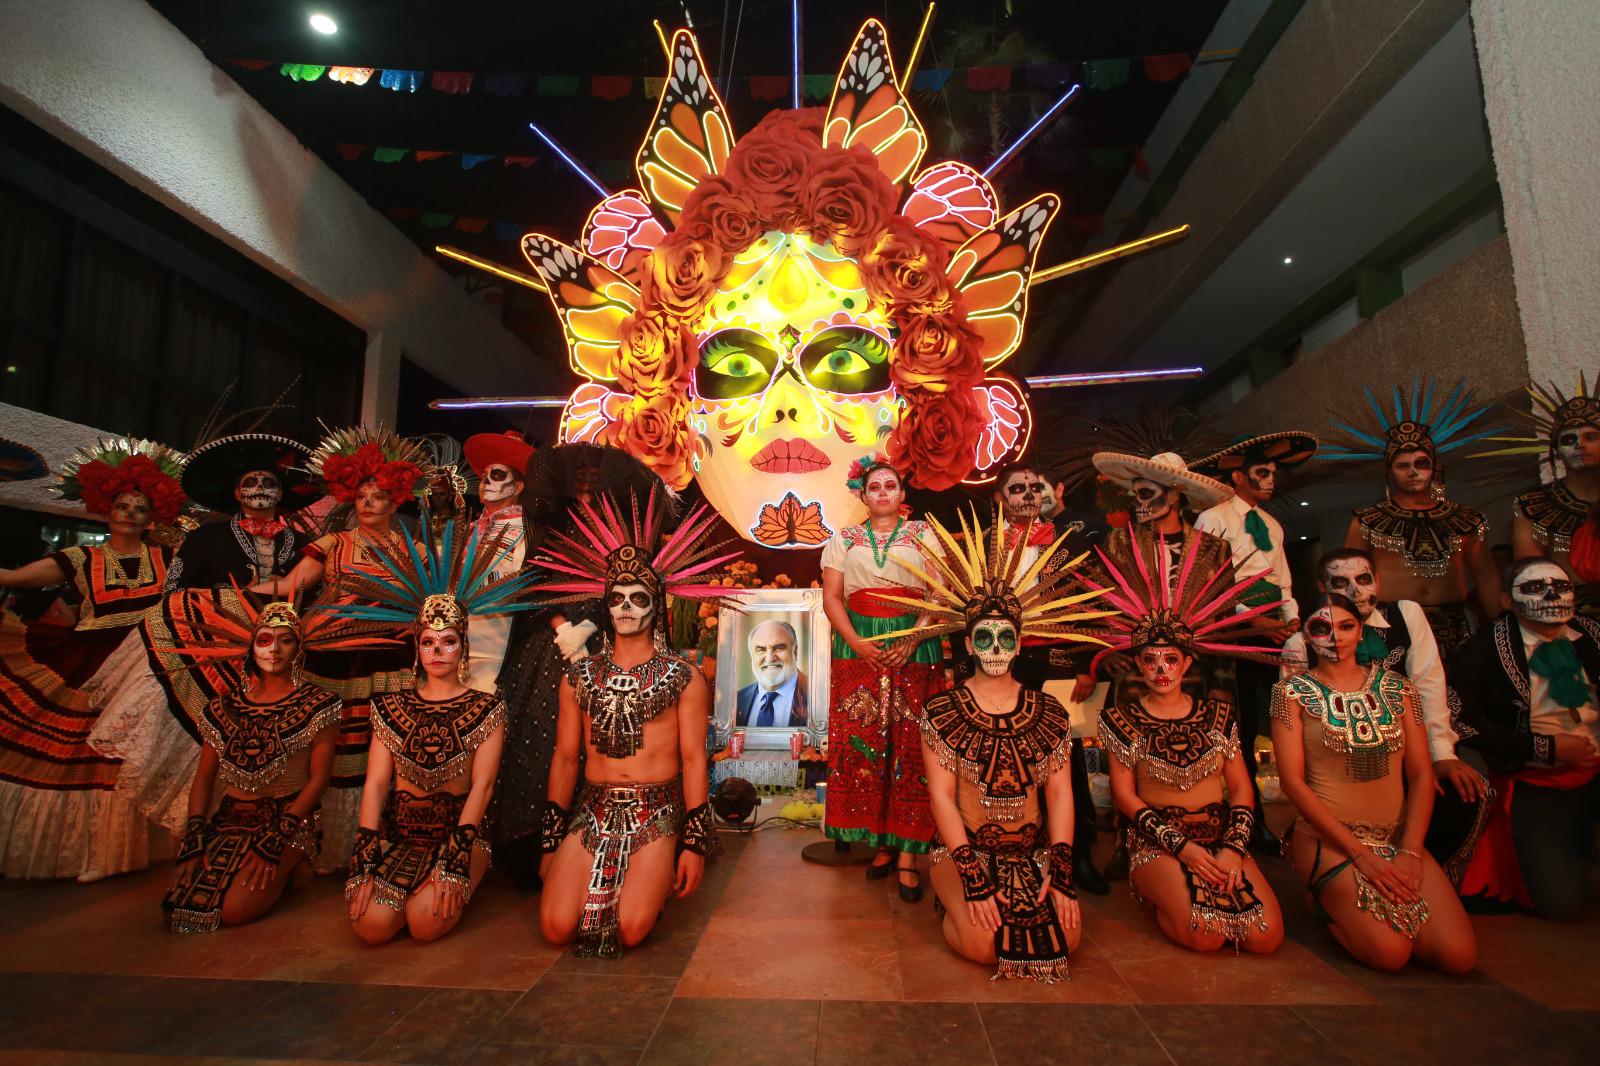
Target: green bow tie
x=1373, y=648
x=1557, y=662
x=1256, y=526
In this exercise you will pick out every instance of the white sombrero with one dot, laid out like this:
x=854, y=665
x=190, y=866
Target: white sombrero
x=1167, y=469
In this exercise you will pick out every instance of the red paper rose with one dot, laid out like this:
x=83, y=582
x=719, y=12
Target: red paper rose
x=847, y=199
x=656, y=431
x=654, y=355
x=681, y=276
x=906, y=269
x=715, y=211
x=936, y=352
x=397, y=479
x=936, y=440
x=769, y=165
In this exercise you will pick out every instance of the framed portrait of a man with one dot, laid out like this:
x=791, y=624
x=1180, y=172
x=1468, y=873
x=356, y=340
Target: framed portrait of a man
x=772, y=668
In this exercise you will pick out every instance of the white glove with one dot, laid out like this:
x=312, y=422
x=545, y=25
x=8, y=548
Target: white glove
x=573, y=640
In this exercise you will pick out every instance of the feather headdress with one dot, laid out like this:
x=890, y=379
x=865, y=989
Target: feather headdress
x=225, y=626
x=438, y=585
x=978, y=576
x=608, y=549
x=1553, y=412
x=1421, y=421
x=1189, y=609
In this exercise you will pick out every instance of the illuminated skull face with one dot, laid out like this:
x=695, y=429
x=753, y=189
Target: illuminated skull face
x=1353, y=579
x=792, y=384
x=1544, y=593
x=632, y=609
x=993, y=642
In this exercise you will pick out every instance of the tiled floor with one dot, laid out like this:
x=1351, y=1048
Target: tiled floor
x=774, y=961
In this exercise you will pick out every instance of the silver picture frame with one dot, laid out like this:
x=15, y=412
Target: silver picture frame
x=802, y=610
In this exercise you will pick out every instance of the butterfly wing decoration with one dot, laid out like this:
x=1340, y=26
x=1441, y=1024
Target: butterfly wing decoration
x=992, y=269
x=868, y=108
x=591, y=300
x=690, y=136
x=789, y=522
x=952, y=202
x=620, y=232
x=1010, y=426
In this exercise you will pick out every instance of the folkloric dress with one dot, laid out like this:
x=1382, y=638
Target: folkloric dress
x=59, y=815
x=877, y=791
x=1001, y=763
x=263, y=752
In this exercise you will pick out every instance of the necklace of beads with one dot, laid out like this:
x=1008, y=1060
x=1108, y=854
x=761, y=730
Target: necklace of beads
x=882, y=558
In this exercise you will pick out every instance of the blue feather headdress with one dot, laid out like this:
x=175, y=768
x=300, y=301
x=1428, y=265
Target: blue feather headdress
x=438, y=584
x=1421, y=421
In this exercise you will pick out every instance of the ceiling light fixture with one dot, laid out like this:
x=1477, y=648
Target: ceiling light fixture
x=1288, y=259
x=324, y=23
x=1305, y=503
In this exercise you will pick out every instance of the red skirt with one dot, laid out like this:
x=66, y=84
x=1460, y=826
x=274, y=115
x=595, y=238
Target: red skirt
x=877, y=789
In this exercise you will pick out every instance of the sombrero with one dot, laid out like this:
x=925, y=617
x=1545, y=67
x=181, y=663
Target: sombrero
x=214, y=469
x=507, y=449
x=1167, y=469
x=1288, y=448
x=18, y=462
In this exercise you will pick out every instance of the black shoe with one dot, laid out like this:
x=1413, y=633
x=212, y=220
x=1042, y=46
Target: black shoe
x=877, y=871
x=1117, y=865
x=911, y=893
x=1263, y=841
x=1086, y=877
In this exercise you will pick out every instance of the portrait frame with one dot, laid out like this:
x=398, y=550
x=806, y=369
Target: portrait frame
x=802, y=610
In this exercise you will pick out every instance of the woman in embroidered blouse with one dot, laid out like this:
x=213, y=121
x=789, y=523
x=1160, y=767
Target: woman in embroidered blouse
x=271, y=743
x=877, y=794
x=1173, y=756
x=430, y=772
x=1353, y=759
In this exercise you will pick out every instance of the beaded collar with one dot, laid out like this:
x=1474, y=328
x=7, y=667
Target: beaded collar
x=1426, y=539
x=619, y=701
x=1179, y=752
x=433, y=742
x=1002, y=755
x=254, y=741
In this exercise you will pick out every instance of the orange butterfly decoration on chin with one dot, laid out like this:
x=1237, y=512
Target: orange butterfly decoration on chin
x=789, y=522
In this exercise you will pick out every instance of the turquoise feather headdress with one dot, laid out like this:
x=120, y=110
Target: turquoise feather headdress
x=439, y=584
x=1420, y=421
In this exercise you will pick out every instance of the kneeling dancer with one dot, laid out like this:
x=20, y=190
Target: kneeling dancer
x=1178, y=773
x=637, y=714
x=997, y=755
x=420, y=849
x=271, y=743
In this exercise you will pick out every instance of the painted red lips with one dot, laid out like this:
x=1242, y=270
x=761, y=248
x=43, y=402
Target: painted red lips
x=790, y=457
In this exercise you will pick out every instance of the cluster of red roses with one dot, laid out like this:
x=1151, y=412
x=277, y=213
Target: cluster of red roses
x=100, y=483
x=345, y=474
x=779, y=176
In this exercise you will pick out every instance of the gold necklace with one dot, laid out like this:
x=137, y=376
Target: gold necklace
x=116, y=577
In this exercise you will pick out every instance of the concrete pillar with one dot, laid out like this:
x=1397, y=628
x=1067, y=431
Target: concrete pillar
x=1542, y=96
x=380, y=380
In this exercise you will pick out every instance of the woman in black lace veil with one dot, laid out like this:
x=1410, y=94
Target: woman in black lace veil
x=543, y=641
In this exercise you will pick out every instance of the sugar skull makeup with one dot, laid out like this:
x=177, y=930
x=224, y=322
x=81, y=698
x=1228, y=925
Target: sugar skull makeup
x=632, y=609
x=1331, y=632
x=1544, y=593
x=499, y=482
x=260, y=490
x=1162, y=666
x=1354, y=579
x=1152, y=502
x=1579, y=446
x=883, y=493
x=1022, y=495
x=1412, y=470
x=440, y=651
x=274, y=649
x=994, y=644
x=1262, y=478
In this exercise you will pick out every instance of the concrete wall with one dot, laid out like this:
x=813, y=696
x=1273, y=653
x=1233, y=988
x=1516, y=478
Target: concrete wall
x=120, y=84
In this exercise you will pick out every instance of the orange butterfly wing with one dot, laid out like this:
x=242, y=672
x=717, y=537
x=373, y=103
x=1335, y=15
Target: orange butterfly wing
x=991, y=271
x=789, y=523
x=868, y=108
x=690, y=137
x=591, y=300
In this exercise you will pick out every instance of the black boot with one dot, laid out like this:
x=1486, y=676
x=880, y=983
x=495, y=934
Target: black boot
x=1086, y=876
x=1263, y=841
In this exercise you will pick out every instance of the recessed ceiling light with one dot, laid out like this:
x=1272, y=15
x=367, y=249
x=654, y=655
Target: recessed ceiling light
x=324, y=23
x=1305, y=538
x=1305, y=503
x=1286, y=259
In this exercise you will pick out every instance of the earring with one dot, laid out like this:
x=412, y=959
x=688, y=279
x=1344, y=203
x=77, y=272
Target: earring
x=297, y=672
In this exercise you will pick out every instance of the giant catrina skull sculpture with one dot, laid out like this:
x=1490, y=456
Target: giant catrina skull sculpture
x=763, y=312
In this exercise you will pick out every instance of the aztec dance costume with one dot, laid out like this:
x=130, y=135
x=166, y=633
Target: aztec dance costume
x=420, y=819
x=1173, y=768
x=262, y=754
x=1423, y=545
x=877, y=794
x=59, y=813
x=989, y=764
x=1527, y=688
x=608, y=709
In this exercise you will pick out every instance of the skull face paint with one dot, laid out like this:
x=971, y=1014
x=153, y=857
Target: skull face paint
x=1412, y=471
x=274, y=650
x=1152, y=502
x=632, y=609
x=440, y=652
x=1332, y=633
x=499, y=482
x=1579, y=447
x=1355, y=580
x=993, y=642
x=1021, y=496
x=1261, y=480
x=259, y=490
x=1544, y=593
x=1162, y=666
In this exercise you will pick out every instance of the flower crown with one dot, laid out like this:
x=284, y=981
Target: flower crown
x=346, y=459
x=98, y=474
x=856, y=476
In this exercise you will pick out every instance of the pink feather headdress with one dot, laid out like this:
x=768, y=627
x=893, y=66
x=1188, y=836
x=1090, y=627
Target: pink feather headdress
x=1195, y=612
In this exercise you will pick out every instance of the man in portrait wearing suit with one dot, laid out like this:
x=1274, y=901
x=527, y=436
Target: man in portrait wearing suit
x=777, y=697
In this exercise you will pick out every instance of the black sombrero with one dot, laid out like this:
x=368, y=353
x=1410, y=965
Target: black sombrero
x=18, y=462
x=1288, y=448
x=214, y=469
